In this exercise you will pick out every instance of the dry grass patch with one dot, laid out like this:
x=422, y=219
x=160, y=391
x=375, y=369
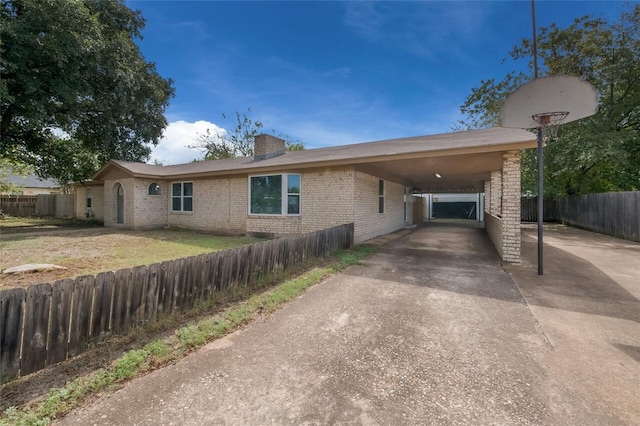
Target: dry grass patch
x=86, y=251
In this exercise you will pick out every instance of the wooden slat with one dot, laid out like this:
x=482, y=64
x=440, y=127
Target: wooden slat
x=36, y=328
x=137, y=301
x=189, y=273
x=151, y=297
x=178, y=285
x=120, y=318
x=102, y=305
x=58, y=339
x=165, y=288
x=81, y=314
x=11, y=316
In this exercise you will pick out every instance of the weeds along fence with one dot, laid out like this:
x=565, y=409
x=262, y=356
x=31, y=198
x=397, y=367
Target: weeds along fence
x=49, y=323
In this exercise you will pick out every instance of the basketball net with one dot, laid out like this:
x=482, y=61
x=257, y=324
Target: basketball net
x=549, y=122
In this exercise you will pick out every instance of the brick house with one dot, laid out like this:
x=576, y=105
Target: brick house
x=278, y=193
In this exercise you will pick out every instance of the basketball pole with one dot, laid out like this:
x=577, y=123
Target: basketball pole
x=540, y=151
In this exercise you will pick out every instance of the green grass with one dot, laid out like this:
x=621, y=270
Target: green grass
x=164, y=351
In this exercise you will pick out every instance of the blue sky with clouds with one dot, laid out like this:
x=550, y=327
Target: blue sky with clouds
x=333, y=73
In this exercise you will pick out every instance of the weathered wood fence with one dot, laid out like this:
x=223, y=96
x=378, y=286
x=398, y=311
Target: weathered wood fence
x=18, y=205
x=612, y=213
x=43, y=205
x=49, y=323
x=529, y=210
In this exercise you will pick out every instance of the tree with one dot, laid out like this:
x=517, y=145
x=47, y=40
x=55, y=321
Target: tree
x=597, y=154
x=237, y=142
x=73, y=82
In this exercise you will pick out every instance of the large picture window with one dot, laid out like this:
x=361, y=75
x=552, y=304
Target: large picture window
x=274, y=194
x=182, y=197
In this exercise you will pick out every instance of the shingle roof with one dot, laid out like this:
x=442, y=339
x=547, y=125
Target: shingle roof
x=485, y=140
x=31, y=181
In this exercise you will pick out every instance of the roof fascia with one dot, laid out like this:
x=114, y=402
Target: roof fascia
x=353, y=161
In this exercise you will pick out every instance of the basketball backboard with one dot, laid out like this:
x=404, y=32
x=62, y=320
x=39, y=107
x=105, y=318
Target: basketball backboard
x=560, y=97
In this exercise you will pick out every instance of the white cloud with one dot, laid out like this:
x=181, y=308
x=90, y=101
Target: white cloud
x=172, y=148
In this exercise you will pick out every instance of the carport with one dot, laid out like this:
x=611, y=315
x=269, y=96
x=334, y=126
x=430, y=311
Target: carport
x=480, y=161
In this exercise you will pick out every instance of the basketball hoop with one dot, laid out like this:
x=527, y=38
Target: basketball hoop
x=549, y=122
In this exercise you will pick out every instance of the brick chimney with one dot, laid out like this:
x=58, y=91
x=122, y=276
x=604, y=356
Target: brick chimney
x=267, y=146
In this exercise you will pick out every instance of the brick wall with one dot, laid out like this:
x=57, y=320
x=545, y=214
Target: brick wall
x=368, y=222
x=496, y=193
x=487, y=196
x=511, y=206
x=218, y=205
x=329, y=197
x=97, y=201
x=326, y=200
x=493, y=225
x=150, y=211
x=267, y=146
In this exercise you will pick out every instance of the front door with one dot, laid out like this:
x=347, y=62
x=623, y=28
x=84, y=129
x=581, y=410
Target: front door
x=119, y=204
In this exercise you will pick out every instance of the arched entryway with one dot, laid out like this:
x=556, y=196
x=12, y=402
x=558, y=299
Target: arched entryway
x=118, y=192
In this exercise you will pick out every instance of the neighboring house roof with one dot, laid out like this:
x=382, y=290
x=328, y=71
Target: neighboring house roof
x=491, y=140
x=31, y=181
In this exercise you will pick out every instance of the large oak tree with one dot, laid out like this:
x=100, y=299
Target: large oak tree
x=597, y=154
x=75, y=90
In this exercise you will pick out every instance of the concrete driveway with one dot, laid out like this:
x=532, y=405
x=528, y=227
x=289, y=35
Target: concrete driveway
x=430, y=330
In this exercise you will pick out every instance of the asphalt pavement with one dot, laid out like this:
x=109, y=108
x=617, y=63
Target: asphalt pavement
x=429, y=330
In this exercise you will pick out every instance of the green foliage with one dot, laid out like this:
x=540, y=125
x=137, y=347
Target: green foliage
x=596, y=154
x=74, y=86
x=10, y=167
x=237, y=142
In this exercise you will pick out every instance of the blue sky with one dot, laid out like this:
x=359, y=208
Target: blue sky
x=333, y=73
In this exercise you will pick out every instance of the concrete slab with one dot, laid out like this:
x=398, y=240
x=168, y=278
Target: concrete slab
x=430, y=330
x=32, y=267
x=587, y=303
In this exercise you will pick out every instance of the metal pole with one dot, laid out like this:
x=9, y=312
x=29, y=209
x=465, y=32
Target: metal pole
x=540, y=201
x=540, y=151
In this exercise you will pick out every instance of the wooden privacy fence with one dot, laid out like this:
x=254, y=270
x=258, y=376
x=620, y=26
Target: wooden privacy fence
x=43, y=205
x=49, y=323
x=529, y=210
x=18, y=205
x=612, y=213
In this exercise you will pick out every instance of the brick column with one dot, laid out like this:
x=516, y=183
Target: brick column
x=496, y=193
x=511, y=206
x=487, y=196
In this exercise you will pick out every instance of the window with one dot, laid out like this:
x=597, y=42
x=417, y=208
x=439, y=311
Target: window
x=293, y=194
x=182, y=197
x=154, y=189
x=380, y=196
x=274, y=194
x=88, y=198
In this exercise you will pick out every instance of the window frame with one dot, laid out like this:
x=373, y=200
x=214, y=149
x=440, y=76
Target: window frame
x=158, y=189
x=182, y=196
x=284, y=195
x=381, y=196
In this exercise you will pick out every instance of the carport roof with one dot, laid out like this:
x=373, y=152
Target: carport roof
x=463, y=159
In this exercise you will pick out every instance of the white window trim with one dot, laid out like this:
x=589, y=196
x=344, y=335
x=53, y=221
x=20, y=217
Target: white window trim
x=284, y=194
x=182, y=197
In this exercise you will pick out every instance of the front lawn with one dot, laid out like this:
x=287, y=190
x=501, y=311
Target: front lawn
x=86, y=251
